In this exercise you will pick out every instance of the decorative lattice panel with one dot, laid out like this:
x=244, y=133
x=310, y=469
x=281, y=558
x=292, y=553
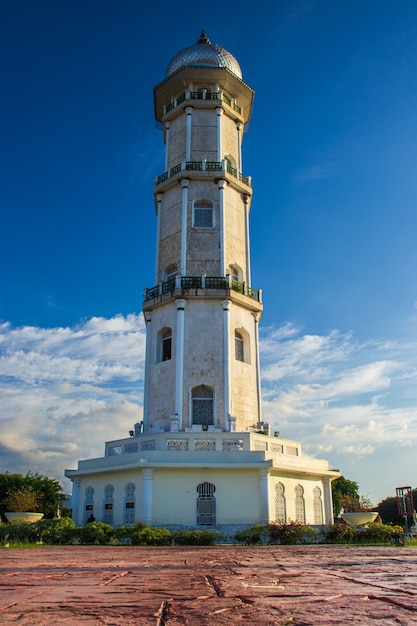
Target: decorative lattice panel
x=277, y=447
x=230, y=445
x=280, y=504
x=179, y=445
x=115, y=450
x=148, y=445
x=300, y=508
x=131, y=447
x=291, y=450
x=261, y=445
x=317, y=506
x=208, y=445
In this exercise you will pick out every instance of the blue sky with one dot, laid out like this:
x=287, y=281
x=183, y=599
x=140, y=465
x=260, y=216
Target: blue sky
x=331, y=149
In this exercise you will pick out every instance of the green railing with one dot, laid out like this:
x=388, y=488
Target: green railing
x=203, y=166
x=200, y=95
x=201, y=282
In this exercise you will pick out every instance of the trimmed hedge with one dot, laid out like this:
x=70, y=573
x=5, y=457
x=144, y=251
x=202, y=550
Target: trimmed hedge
x=284, y=534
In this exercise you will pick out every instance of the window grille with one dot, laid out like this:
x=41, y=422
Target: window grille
x=280, y=504
x=131, y=448
x=129, y=504
x=261, y=445
x=205, y=444
x=230, y=445
x=88, y=502
x=177, y=444
x=115, y=450
x=108, y=504
x=202, y=405
x=203, y=214
x=206, y=504
x=293, y=450
x=317, y=506
x=277, y=447
x=300, y=509
x=239, y=354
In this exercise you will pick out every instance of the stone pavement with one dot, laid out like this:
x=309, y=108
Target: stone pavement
x=198, y=586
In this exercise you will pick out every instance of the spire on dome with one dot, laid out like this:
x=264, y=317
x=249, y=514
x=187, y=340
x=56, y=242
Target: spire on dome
x=203, y=37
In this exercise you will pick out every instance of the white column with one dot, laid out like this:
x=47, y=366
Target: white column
x=158, y=234
x=239, y=143
x=257, y=317
x=179, y=363
x=147, y=382
x=147, y=479
x=219, y=112
x=189, y=112
x=247, y=236
x=75, y=499
x=222, y=187
x=167, y=129
x=185, y=182
x=264, y=487
x=327, y=500
x=226, y=366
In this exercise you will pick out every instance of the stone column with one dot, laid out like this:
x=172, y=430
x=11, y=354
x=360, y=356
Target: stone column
x=75, y=499
x=226, y=353
x=189, y=113
x=179, y=363
x=167, y=137
x=327, y=500
x=222, y=186
x=264, y=491
x=185, y=182
x=158, y=231
x=256, y=317
x=147, y=476
x=219, y=112
x=247, y=237
x=147, y=382
x=239, y=143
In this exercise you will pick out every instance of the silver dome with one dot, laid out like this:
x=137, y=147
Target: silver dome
x=204, y=53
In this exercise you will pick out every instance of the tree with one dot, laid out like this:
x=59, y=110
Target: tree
x=48, y=491
x=388, y=510
x=344, y=490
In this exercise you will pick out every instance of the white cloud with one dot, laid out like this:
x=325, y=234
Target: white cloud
x=67, y=390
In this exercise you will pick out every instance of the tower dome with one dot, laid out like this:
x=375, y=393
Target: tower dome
x=204, y=53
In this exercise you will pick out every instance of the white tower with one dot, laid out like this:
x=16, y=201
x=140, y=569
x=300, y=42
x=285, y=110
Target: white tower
x=202, y=358
x=204, y=456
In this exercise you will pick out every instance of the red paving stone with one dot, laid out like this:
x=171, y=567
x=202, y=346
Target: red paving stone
x=265, y=585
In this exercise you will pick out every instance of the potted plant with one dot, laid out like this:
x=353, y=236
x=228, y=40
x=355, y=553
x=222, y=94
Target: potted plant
x=22, y=505
x=357, y=511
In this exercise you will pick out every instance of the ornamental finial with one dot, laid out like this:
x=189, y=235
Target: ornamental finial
x=203, y=37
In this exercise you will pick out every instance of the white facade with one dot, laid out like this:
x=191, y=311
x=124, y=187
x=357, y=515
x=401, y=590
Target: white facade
x=202, y=455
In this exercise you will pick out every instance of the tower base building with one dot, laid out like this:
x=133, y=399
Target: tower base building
x=202, y=456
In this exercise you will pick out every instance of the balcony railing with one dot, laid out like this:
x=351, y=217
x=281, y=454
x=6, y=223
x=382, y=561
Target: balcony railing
x=204, y=166
x=202, y=95
x=188, y=283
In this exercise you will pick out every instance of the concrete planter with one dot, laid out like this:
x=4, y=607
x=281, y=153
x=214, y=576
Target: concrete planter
x=360, y=518
x=23, y=517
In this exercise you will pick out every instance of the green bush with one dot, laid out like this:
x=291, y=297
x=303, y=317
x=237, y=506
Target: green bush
x=56, y=531
x=340, y=532
x=379, y=533
x=143, y=535
x=196, y=537
x=23, y=532
x=286, y=534
x=253, y=535
x=96, y=533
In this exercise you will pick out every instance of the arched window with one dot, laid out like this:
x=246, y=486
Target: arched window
x=239, y=347
x=169, y=272
x=164, y=345
x=280, y=504
x=129, y=504
x=235, y=273
x=300, y=507
x=202, y=398
x=317, y=506
x=206, y=504
x=203, y=214
x=88, y=502
x=108, y=502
